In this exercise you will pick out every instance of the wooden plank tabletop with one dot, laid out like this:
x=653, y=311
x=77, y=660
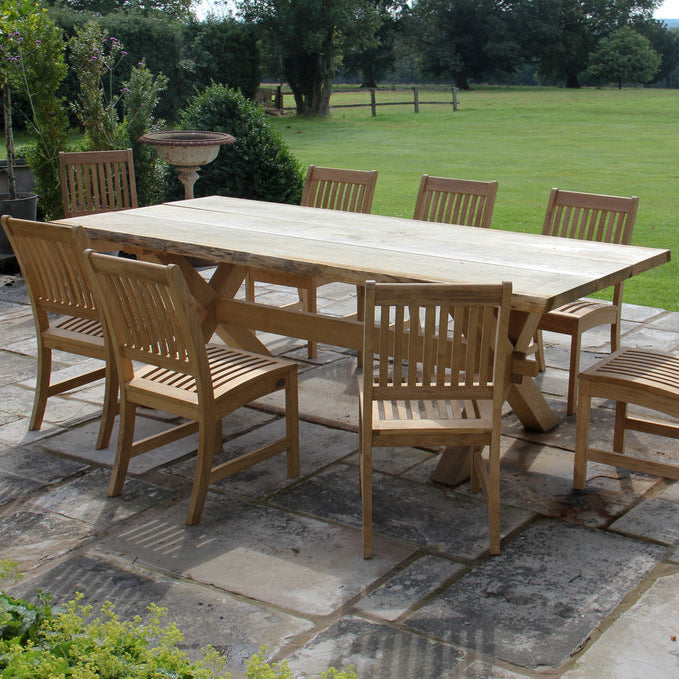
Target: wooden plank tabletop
x=546, y=272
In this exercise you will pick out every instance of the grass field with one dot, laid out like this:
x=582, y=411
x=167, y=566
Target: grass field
x=623, y=142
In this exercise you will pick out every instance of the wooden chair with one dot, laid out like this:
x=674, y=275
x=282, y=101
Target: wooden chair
x=586, y=216
x=648, y=379
x=50, y=258
x=439, y=354
x=97, y=181
x=324, y=187
x=455, y=201
x=150, y=316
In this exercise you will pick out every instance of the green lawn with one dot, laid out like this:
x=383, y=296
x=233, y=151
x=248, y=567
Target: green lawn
x=623, y=142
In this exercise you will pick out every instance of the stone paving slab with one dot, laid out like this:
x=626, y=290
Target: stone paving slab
x=538, y=601
x=31, y=538
x=453, y=524
x=23, y=470
x=235, y=627
x=413, y=584
x=643, y=642
x=376, y=651
x=297, y=563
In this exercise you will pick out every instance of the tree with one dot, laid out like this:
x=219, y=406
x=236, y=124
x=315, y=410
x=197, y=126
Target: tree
x=624, y=56
x=307, y=36
x=465, y=39
x=176, y=9
x=561, y=34
x=376, y=59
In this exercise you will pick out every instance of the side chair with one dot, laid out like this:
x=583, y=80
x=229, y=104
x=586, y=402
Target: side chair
x=324, y=187
x=152, y=322
x=586, y=216
x=434, y=372
x=97, y=181
x=455, y=201
x=647, y=379
x=50, y=258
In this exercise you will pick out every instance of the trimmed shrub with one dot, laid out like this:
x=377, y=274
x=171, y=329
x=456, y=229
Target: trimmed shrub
x=258, y=165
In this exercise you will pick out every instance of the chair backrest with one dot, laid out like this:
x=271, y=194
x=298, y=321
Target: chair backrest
x=51, y=262
x=97, y=181
x=590, y=216
x=337, y=189
x=455, y=201
x=150, y=317
x=435, y=341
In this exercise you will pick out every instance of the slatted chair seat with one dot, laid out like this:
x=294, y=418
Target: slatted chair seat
x=434, y=372
x=585, y=216
x=333, y=189
x=65, y=313
x=152, y=321
x=648, y=379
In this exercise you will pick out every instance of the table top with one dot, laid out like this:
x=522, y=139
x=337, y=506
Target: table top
x=341, y=246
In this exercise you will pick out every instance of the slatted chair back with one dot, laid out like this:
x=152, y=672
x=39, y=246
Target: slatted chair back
x=339, y=189
x=435, y=341
x=50, y=257
x=150, y=314
x=97, y=181
x=455, y=201
x=590, y=216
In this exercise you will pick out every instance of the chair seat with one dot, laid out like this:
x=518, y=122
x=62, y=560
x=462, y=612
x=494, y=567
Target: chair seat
x=230, y=371
x=646, y=378
x=83, y=329
x=575, y=312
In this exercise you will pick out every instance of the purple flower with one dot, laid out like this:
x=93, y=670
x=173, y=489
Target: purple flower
x=123, y=53
x=125, y=89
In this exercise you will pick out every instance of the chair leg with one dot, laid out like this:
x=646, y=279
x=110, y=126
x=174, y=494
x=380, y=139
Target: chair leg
x=365, y=468
x=573, y=371
x=110, y=409
x=292, y=423
x=620, y=430
x=582, y=438
x=309, y=303
x=210, y=441
x=128, y=413
x=249, y=287
x=540, y=351
x=360, y=314
x=493, y=498
x=42, y=384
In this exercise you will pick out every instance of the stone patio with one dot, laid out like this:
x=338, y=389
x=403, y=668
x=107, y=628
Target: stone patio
x=587, y=584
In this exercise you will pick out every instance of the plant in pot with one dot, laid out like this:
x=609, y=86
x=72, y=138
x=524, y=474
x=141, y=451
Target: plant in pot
x=32, y=66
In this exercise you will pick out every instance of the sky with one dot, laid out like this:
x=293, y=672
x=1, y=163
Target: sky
x=668, y=10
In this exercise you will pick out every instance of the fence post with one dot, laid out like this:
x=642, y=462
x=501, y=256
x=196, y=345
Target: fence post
x=454, y=98
x=416, y=99
x=373, y=103
x=278, y=100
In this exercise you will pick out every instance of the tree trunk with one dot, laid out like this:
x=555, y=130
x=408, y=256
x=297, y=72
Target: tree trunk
x=572, y=81
x=9, y=141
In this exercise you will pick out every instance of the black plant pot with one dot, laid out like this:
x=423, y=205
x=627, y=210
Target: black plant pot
x=25, y=206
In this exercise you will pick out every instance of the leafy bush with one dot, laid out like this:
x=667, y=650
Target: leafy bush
x=258, y=165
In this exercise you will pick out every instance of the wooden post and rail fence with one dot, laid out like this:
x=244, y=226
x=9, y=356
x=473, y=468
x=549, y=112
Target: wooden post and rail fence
x=377, y=97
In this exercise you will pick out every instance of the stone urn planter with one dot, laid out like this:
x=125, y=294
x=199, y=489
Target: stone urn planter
x=187, y=150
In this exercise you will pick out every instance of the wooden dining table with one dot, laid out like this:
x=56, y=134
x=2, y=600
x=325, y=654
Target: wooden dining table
x=237, y=234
